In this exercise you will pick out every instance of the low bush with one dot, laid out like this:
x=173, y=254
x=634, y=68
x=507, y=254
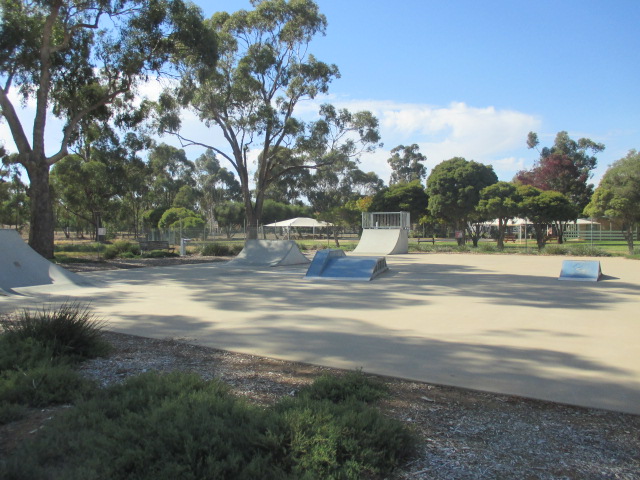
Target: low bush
x=574, y=250
x=79, y=247
x=220, y=249
x=180, y=426
x=352, y=386
x=588, y=251
x=10, y=412
x=37, y=350
x=159, y=254
x=69, y=330
x=487, y=248
x=120, y=247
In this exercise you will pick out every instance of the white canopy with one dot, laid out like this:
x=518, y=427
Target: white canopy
x=299, y=222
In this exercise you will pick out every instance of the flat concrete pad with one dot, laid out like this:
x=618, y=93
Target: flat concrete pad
x=500, y=323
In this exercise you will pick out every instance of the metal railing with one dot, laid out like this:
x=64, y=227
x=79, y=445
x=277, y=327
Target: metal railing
x=387, y=220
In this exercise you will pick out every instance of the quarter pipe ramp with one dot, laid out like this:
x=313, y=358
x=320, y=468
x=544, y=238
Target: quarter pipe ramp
x=21, y=266
x=383, y=241
x=271, y=253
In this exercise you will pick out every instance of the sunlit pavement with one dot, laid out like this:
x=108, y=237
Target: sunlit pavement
x=500, y=323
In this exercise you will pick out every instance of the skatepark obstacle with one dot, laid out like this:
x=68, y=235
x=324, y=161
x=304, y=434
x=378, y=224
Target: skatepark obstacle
x=271, y=253
x=333, y=264
x=21, y=266
x=580, y=270
x=384, y=233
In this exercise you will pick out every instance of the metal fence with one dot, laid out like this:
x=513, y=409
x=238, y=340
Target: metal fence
x=386, y=220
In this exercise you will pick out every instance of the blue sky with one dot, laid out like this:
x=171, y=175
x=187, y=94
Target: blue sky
x=470, y=78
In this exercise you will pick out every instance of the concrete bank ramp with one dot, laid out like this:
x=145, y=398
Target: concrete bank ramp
x=383, y=241
x=21, y=267
x=335, y=265
x=271, y=253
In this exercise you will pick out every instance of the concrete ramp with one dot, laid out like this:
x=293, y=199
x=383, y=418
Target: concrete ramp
x=383, y=241
x=271, y=253
x=21, y=266
x=335, y=265
x=580, y=270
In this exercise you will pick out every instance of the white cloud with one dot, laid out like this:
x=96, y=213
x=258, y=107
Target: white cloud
x=485, y=134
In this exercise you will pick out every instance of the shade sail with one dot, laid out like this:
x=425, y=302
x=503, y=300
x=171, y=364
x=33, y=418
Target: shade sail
x=299, y=222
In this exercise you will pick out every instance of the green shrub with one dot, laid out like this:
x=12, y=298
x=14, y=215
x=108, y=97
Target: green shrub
x=588, y=251
x=120, y=247
x=79, y=247
x=159, y=254
x=180, y=426
x=46, y=384
x=10, y=412
x=487, y=248
x=352, y=386
x=216, y=249
x=555, y=249
x=70, y=330
x=342, y=441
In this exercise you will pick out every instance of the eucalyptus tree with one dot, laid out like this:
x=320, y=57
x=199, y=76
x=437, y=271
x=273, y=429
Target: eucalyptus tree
x=81, y=61
x=263, y=73
x=406, y=164
x=170, y=171
x=335, y=185
x=215, y=183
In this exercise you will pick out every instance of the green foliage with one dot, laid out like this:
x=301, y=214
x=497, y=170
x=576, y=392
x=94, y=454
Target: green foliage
x=220, y=249
x=409, y=166
x=79, y=247
x=177, y=216
x=487, y=248
x=575, y=250
x=353, y=386
x=68, y=330
x=37, y=349
x=263, y=73
x=544, y=207
x=152, y=217
x=10, y=412
x=454, y=188
x=275, y=211
x=120, y=248
x=54, y=56
x=159, y=254
x=618, y=195
x=180, y=426
x=402, y=197
x=42, y=385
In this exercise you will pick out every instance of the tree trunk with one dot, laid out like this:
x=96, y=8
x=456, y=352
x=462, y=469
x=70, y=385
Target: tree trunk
x=629, y=237
x=501, y=229
x=42, y=222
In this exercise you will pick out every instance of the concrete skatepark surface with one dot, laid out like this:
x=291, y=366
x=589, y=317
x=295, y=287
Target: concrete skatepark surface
x=498, y=323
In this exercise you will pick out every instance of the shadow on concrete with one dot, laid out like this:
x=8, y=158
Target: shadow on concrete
x=530, y=372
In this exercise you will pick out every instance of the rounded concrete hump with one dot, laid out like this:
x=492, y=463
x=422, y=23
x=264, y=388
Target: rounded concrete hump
x=272, y=253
